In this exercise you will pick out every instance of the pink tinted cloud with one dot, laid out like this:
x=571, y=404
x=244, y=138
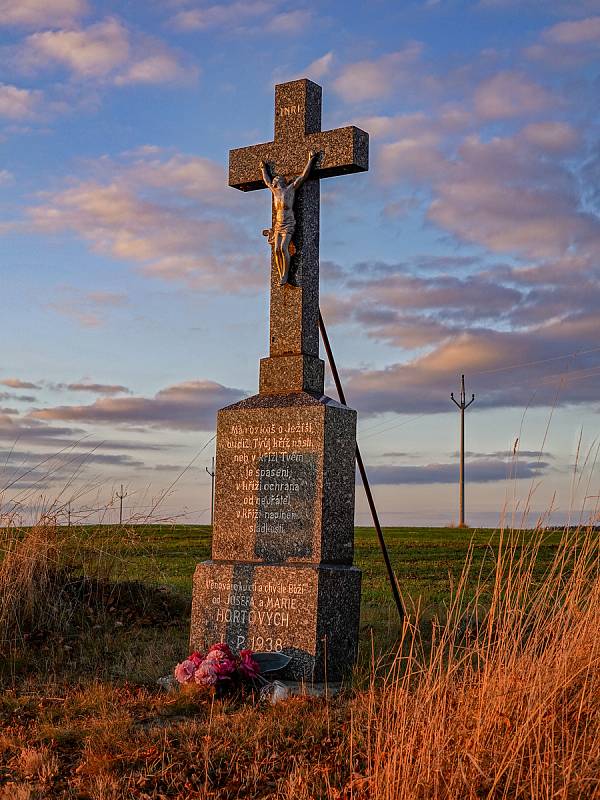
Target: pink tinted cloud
x=89, y=309
x=552, y=137
x=223, y=15
x=505, y=368
x=191, y=405
x=577, y=32
x=96, y=388
x=158, y=213
x=37, y=13
x=90, y=52
x=567, y=44
x=374, y=78
x=510, y=194
x=510, y=94
x=17, y=103
x=17, y=383
x=477, y=470
x=105, y=51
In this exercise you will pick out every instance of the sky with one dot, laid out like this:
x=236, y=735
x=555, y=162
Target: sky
x=134, y=281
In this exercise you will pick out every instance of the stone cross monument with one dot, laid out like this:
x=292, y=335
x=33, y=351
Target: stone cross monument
x=281, y=575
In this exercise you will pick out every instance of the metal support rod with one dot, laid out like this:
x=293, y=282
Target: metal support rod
x=211, y=472
x=365, y=480
x=461, y=476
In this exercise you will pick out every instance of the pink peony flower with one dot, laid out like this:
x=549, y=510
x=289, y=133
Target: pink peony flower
x=248, y=666
x=222, y=662
x=206, y=674
x=184, y=672
x=196, y=657
x=222, y=647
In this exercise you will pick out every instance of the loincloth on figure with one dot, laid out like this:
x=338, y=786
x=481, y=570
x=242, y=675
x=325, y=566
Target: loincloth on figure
x=286, y=229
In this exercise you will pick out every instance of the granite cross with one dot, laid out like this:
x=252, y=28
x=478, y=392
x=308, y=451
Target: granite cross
x=293, y=363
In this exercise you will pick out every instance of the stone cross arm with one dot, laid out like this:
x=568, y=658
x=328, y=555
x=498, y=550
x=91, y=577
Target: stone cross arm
x=343, y=150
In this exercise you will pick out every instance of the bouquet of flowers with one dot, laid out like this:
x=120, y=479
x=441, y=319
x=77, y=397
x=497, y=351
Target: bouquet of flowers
x=223, y=670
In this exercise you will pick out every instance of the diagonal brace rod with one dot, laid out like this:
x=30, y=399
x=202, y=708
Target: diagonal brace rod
x=363, y=474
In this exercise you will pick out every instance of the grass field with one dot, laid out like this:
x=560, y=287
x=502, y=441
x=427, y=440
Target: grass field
x=427, y=562
x=509, y=708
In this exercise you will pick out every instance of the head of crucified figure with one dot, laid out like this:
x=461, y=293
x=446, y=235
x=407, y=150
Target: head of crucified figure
x=279, y=182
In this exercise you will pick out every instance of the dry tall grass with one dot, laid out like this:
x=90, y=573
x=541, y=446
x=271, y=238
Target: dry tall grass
x=57, y=581
x=500, y=699
x=31, y=584
x=501, y=703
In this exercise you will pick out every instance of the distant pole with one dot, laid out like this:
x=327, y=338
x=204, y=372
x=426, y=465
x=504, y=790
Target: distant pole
x=461, y=478
x=121, y=496
x=69, y=514
x=211, y=472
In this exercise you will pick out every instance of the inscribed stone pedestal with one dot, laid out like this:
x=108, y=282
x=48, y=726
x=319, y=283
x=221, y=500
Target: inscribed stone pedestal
x=281, y=575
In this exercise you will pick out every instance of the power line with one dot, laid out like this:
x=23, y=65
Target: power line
x=533, y=363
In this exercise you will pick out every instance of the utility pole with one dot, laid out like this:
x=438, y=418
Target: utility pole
x=462, y=406
x=69, y=514
x=121, y=496
x=211, y=472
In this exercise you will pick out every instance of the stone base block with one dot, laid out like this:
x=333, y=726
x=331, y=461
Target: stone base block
x=291, y=373
x=310, y=613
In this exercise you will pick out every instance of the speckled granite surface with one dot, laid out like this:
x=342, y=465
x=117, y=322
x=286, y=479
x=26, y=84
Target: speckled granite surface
x=308, y=612
x=281, y=574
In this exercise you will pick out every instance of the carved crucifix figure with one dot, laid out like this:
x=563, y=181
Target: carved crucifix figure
x=294, y=317
x=284, y=194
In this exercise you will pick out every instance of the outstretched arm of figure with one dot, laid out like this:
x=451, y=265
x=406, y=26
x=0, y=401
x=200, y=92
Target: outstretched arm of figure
x=312, y=157
x=265, y=174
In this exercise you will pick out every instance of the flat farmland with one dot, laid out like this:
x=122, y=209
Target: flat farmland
x=428, y=562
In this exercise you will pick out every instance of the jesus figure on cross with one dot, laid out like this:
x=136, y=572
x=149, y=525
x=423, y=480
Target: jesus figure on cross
x=283, y=229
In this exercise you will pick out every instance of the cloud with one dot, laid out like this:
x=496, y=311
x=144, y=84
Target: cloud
x=551, y=137
x=558, y=7
x=509, y=194
x=289, y=22
x=35, y=432
x=578, y=32
x=414, y=311
x=19, y=104
x=508, y=454
x=416, y=125
x=89, y=52
x=221, y=15
x=104, y=51
x=510, y=94
x=6, y=177
x=480, y=470
x=509, y=199
x=19, y=398
x=320, y=66
x=95, y=388
x=160, y=67
x=88, y=309
x=164, y=214
x=520, y=368
x=39, y=13
x=191, y=405
x=16, y=383
x=567, y=44
x=370, y=79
